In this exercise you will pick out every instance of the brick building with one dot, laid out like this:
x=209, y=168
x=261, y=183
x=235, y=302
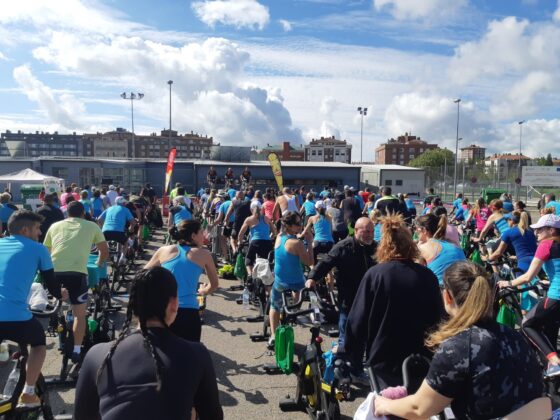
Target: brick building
x=328, y=149
x=20, y=145
x=402, y=150
x=285, y=152
x=472, y=153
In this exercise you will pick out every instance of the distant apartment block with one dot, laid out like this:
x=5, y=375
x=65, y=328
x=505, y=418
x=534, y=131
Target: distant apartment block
x=472, y=153
x=328, y=149
x=402, y=150
x=285, y=152
x=19, y=144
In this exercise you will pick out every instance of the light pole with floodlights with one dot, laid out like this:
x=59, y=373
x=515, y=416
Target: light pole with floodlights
x=362, y=111
x=458, y=102
x=132, y=97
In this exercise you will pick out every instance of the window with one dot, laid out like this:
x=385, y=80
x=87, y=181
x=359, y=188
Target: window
x=411, y=150
x=401, y=156
x=313, y=153
x=388, y=182
x=320, y=152
x=411, y=156
x=398, y=182
x=421, y=150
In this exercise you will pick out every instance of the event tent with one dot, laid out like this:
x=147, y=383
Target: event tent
x=30, y=176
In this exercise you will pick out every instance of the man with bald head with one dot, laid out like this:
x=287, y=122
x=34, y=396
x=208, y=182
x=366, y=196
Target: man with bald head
x=350, y=259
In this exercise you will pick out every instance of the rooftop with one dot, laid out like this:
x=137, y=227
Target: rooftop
x=391, y=167
x=472, y=146
x=507, y=156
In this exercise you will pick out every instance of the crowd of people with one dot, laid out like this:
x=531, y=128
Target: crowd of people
x=404, y=286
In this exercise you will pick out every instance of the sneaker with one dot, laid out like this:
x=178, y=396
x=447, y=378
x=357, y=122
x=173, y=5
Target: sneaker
x=271, y=343
x=360, y=378
x=29, y=400
x=76, y=358
x=552, y=370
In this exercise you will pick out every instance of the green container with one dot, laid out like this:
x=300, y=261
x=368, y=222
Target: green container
x=30, y=192
x=490, y=194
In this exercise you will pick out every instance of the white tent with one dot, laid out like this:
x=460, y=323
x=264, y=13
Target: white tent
x=30, y=176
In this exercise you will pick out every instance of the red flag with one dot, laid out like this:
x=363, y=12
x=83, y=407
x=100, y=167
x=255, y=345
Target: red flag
x=169, y=169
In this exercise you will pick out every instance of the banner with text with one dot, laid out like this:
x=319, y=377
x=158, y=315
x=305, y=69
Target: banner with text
x=169, y=169
x=276, y=169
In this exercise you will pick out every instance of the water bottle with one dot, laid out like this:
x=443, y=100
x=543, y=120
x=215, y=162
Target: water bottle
x=246, y=296
x=313, y=300
x=69, y=319
x=12, y=381
x=4, y=353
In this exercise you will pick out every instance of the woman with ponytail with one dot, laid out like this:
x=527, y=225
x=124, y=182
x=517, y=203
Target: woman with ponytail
x=148, y=372
x=485, y=370
x=260, y=241
x=187, y=260
x=321, y=223
x=397, y=303
x=434, y=248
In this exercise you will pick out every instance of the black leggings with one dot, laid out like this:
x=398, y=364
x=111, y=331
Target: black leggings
x=187, y=325
x=541, y=325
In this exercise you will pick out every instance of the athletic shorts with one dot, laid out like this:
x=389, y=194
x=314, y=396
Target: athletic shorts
x=112, y=235
x=259, y=248
x=227, y=231
x=76, y=284
x=277, y=291
x=23, y=332
x=321, y=248
x=187, y=324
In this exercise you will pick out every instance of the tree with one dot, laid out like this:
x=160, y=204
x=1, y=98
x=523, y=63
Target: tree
x=433, y=158
x=549, y=160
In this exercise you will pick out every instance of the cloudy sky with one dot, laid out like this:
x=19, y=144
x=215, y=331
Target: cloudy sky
x=252, y=72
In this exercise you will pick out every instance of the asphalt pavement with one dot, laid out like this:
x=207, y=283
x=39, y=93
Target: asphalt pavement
x=246, y=391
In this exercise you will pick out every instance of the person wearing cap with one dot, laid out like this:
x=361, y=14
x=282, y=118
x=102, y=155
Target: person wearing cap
x=541, y=323
x=321, y=223
x=113, y=222
x=112, y=194
x=260, y=241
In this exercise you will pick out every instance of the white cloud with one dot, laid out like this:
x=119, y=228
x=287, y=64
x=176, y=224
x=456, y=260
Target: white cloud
x=286, y=25
x=419, y=9
x=238, y=13
x=556, y=15
x=61, y=110
x=3, y=57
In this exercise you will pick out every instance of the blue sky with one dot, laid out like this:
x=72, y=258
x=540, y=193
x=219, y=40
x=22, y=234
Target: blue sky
x=252, y=72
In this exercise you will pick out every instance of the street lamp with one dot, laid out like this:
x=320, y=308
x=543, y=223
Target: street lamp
x=362, y=111
x=170, y=82
x=132, y=97
x=519, y=161
x=458, y=102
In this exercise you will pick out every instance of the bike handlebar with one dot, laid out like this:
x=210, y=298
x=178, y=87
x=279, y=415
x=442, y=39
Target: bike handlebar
x=508, y=291
x=287, y=308
x=51, y=309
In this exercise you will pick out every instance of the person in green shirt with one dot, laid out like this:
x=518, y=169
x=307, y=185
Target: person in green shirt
x=174, y=192
x=69, y=242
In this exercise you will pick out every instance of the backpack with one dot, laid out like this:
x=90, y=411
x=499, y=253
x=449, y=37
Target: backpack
x=284, y=348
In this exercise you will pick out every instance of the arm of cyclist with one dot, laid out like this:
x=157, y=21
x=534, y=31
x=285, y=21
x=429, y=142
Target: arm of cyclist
x=307, y=228
x=271, y=226
x=498, y=252
x=297, y=248
x=531, y=273
x=324, y=266
x=212, y=275
x=53, y=285
x=103, y=253
x=489, y=224
x=421, y=405
x=242, y=231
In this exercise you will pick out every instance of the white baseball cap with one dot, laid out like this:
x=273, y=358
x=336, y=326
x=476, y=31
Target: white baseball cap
x=548, y=220
x=320, y=204
x=119, y=201
x=112, y=187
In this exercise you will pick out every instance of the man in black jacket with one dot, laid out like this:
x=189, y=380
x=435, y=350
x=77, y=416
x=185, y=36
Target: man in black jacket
x=350, y=258
x=50, y=213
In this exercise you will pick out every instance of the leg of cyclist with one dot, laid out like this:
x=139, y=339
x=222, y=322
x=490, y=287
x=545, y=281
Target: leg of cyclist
x=77, y=286
x=541, y=327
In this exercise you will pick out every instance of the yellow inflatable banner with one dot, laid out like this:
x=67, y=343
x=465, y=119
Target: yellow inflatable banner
x=276, y=169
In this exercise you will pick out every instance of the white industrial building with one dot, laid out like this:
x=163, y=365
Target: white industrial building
x=401, y=179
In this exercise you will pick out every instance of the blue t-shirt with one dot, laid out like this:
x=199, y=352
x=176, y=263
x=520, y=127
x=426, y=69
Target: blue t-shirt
x=457, y=203
x=5, y=213
x=115, y=219
x=309, y=207
x=324, y=194
x=181, y=213
x=20, y=259
x=97, y=204
x=525, y=245
x=224, y=209
x=508, y=206
x=360, y=201
x=87, y=205
x=460, y=214
x=556, y=205
x=231, y=192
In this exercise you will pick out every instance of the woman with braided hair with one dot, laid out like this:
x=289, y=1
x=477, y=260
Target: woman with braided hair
x=148, y=372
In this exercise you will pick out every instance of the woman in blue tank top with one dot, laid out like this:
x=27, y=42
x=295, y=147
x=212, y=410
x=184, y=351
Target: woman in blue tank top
x=260, y=243
x=289, y=254
x=187, y=260
x=436, y=251
x=322, y=226
x=308, y=208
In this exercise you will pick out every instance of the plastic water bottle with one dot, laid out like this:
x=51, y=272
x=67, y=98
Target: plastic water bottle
x=313, y=300
x=4, y=352
x=246, y=296
x=12, y=381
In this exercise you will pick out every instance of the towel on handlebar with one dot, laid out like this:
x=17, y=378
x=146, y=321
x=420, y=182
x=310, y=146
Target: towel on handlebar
x=37, y=298
x=366, y=410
